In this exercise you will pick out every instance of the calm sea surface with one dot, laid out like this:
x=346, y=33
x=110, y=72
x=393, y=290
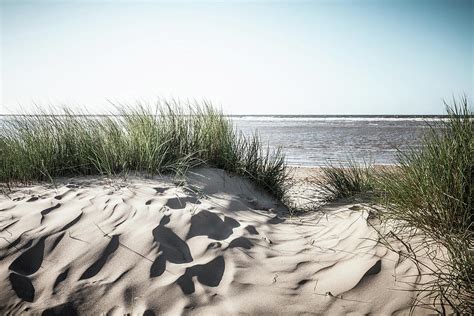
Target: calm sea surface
x=318, y=140
x=315, y=141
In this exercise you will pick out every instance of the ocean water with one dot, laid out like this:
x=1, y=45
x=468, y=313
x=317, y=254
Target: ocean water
x=319, y=140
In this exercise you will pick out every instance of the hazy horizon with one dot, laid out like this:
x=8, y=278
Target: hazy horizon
x=32, y=113
x=261, y=58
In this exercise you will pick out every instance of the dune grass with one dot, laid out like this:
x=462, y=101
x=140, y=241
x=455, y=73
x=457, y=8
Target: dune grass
x=434, y=184
x=430, y=193
x=433, y=193
x=347, y=181
x=168, y=138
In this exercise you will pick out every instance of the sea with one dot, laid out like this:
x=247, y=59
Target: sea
x=319, y=140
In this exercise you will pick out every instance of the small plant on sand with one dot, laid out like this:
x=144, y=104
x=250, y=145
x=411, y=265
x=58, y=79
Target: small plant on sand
x=345, y=181
x=166, y=138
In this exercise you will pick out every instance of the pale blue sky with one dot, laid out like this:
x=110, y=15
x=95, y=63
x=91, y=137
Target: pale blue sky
x=315, y=57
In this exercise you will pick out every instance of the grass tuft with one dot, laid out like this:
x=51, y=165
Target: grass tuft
x=428, y=193
x=168, y=138
x=432, y=192
x=346, y=181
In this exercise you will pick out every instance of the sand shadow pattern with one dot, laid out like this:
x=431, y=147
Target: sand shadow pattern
x=22, y=286
x=160, y=190
x=178, y=203
x=29, y=261
x=172, y=248
x=55, y=242
x=61, y=277
x=373, y=270
x=251, y=229
x=275, y=220
x=50, y=209
x=95, y=268
x=63, y=309
x=208, y=224
x=241, y=242
x=209, y=274
x=72, y=223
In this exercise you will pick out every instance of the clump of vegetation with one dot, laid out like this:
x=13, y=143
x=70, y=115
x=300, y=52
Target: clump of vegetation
x=161, y=139
x=345, y=181
x=428, y=193
x=432, y=192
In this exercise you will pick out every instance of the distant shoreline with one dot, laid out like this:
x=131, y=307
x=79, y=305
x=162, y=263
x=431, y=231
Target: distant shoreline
x=265, y=115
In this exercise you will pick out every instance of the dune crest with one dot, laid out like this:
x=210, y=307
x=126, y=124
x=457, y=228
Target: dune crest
x=214, y=246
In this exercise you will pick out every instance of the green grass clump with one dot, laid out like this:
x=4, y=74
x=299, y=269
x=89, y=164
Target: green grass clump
x=345, y=181
x=434, y=185
x=154, y=140
x=428, y=193
x=432, y=192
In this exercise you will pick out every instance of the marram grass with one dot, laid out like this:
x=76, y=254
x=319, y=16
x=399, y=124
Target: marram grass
x=347, y=181
x=432, y=192
x=429, y=192
x=162, y=139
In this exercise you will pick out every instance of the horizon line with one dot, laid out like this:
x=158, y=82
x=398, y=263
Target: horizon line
x=262, y=115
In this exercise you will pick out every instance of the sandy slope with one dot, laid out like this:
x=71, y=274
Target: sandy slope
x=215, y=246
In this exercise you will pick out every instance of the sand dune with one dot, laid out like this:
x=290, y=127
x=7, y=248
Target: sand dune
x=214, y=246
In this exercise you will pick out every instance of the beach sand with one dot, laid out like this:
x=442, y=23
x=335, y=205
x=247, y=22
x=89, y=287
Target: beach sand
x=215, y=245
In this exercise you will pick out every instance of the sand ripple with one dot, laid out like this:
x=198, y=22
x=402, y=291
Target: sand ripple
x=215, y=246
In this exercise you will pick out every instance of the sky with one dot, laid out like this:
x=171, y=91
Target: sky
x=260, y=57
